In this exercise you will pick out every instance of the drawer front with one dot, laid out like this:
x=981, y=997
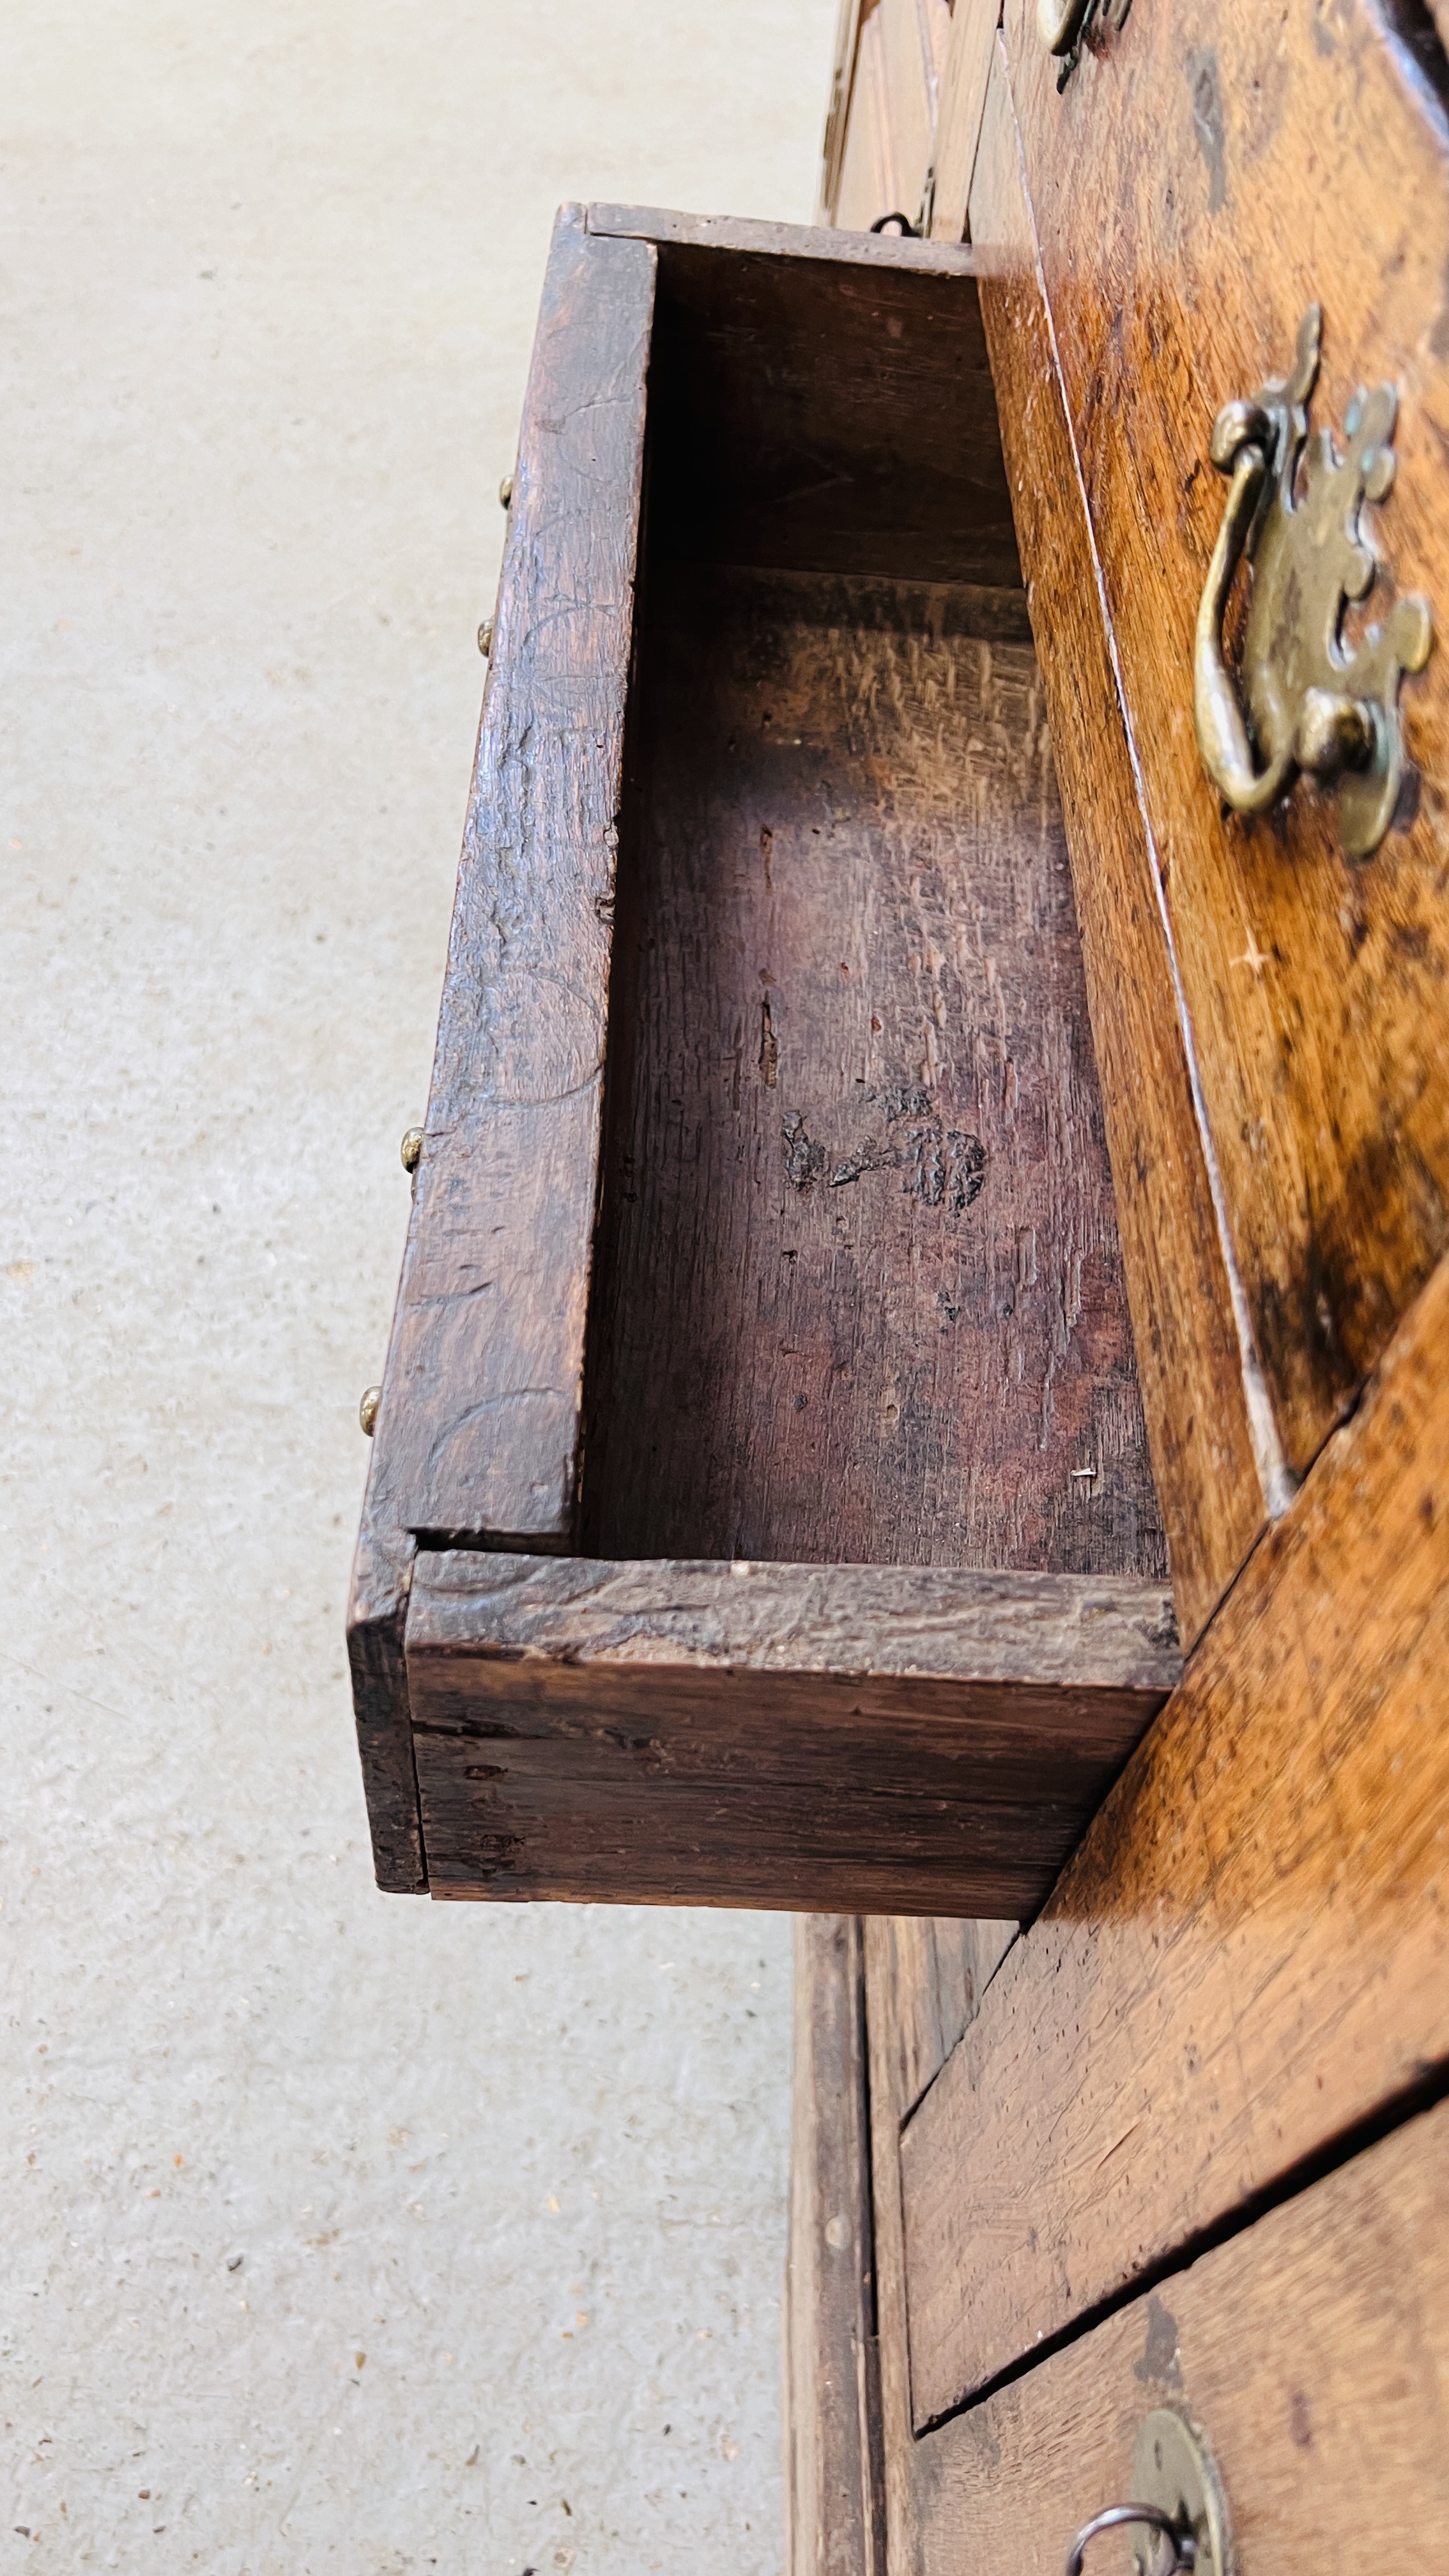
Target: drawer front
x=1207, y=173
x=1313, y=2352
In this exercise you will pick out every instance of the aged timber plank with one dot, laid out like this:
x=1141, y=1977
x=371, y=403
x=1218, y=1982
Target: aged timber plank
x=1248, y=1954
x=969, y=58
x=760, y=1734
x=1205, y=177
x=835, y=2504
x=478, y=1428
x=1196, y=1392
x=899, y=2447
x=929, y=1974
x=887, y=145
x=837, y=120
x=376, y=1626
x=781, y=241
x=1313, y=2350
x=923, y=1979
x=859, y=1292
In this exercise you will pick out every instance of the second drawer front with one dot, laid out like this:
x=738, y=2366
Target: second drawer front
x=1313, y=2352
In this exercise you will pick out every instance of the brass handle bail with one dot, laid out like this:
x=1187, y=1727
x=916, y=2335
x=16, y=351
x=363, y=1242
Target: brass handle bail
x=1179, y=2557
x=1312, y=706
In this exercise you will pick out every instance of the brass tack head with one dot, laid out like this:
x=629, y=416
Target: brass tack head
x=505, y=490
x=485, y=637
x=367, y=1409
x=412, y=1148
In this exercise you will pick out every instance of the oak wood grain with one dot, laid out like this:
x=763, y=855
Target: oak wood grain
x=769, y=1735
x=901, y=2452
x=967, y=71
x=924, y=1980
x=819, y=243
x=859, y=1292
x=1196, y=1394
x=1313, y=2350
x=1203, y=179
x=930, y=1973
x=1054, y=1633
x=478, y=1426
x=376, y=1630
x=837, y=115
x=1248, y=1953
x=834, y=2499
x=826, y=415
x=887, y=145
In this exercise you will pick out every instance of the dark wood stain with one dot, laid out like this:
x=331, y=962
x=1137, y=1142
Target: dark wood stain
x=858, y=1291
x=707, y=1733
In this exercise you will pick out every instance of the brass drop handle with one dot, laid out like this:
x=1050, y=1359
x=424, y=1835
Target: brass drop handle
x=1222, y=735
x=1312, y=705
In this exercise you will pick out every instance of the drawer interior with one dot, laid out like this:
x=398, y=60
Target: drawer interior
x=857, y=1294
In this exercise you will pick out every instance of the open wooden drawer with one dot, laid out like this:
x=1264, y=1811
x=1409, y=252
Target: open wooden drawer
x=760, y=1510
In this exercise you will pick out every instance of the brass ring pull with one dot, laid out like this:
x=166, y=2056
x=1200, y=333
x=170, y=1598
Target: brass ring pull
x=1181, y=2545
x=1312, y=704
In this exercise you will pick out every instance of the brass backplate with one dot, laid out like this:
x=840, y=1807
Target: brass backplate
x=1307, y=698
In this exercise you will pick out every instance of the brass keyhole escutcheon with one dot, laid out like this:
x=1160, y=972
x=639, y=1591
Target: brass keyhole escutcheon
x=1305, y=701
x=1173, y=2469
x=1178, y=2516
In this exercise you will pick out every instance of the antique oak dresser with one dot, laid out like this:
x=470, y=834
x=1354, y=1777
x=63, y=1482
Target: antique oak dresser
x=918, y=1391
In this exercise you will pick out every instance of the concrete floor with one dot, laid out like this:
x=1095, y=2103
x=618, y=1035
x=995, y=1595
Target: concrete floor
x=268, y=287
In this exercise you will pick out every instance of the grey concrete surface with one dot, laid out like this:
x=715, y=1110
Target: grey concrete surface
x=268, y=284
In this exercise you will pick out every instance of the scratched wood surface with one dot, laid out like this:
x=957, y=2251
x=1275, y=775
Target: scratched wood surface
x=901, y=2452
x=834, y=2491
x=1250, y=1951
x=859, y=1293
x=478, y=1425
x=1204, y=178
x=479, y=1420
x=929, y=1974
x=924, y=1984
x=776, y=1735
x=668, y=226
x=1314, y=2352
x=1197, y=1398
